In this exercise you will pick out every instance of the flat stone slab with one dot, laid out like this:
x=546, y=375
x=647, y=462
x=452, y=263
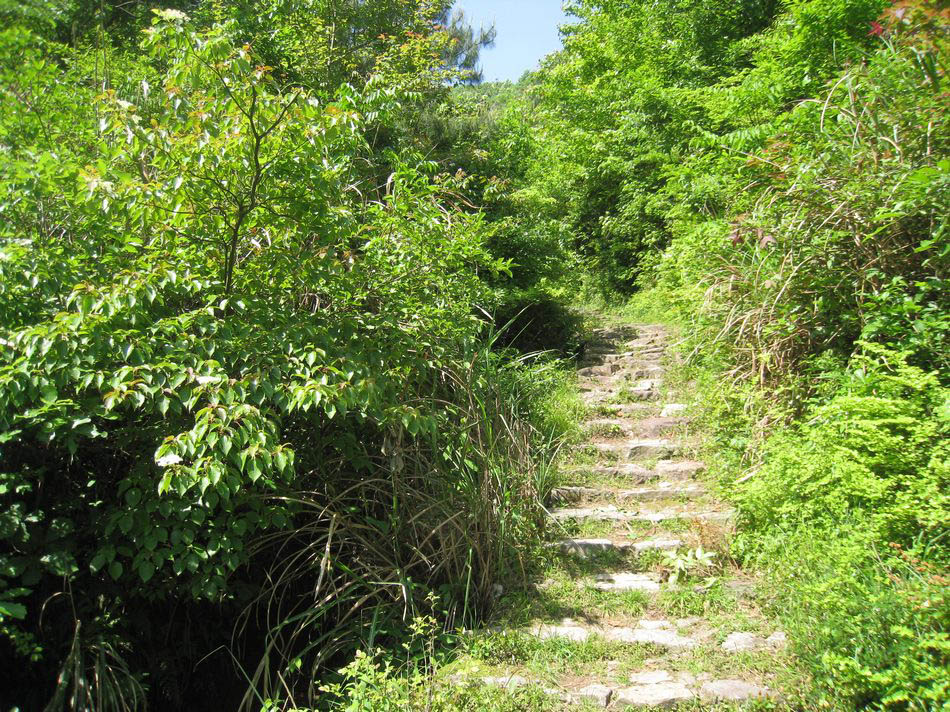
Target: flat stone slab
x=630, y=409
x=568, y=631
x=639, y=449
x=742, y=642
x=673, y=409
x=590, y=547
x=595, y=397
x=640, y=394
x=661, y=637
x=610, y=513
x=606, y=513
x=607, y=369
x=750, y=642
x=682, y=469
x=732, y=691
x=600, y=695
x=576, y=494
x=660, y=694
x=633, y=470
x=616, y=427
x=658, y=544
x=657, y=427
x=663, y=490
x=646, y=632
x=626, y=582
x=651, y=677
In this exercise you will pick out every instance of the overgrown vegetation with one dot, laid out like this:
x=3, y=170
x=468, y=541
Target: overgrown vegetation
x=774, y=176
x=273, y=283
x=252, y=411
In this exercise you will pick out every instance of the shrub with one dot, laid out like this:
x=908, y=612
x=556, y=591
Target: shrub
x=230, y=381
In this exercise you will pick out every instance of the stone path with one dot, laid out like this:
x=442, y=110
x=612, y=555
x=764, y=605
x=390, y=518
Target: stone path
x=610, y=624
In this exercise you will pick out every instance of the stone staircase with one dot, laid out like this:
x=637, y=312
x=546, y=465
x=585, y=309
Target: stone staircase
x=633, y=496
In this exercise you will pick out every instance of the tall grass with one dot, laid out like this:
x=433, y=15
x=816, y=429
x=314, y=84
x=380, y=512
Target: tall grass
x=371, y=544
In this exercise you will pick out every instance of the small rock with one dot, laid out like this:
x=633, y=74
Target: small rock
x=664, y=490
x=657, y=544
x=629, y=469
x=650, y=624
x=731, y=691
x=568, y=631
x=598, y=694
x=741, y=642
x=593, y=371
x=588, y=547
x=664, y=694
x=574, y=494
x=672, y=410
x=744, y=642
x=663, y=638
x=625, y=582
x=669, y=468
x=650, y=678
x=651, y=448
x=605, y=513
x=656, y=427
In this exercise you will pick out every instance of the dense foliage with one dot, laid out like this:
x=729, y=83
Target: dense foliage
x=260, y=264
x=250, y=414
x=775, y=175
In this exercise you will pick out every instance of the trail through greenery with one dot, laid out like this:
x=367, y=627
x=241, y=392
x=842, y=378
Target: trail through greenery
x=291, y=315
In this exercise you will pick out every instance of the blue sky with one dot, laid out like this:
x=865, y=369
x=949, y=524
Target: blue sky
x=527, y=31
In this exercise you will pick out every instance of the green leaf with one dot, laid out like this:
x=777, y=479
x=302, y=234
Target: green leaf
x=12, y=610
x=98, y=561
x=115, y=570
x=146, y=571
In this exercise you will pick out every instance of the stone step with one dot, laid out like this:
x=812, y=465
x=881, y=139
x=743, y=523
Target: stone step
x=678, y=470
x=661, y=491
x=608, y=369
x=631, y=450
x=610, y=513
x=593, y=395
x=671, y=410
x=626, y=582
x=682, y=469
x=660, y=633
x=600, y=380
x=598, y=396
x=658, y=427
x=628, y=362
x=628, y=409
x=659, y=688
x=751, y=642
x=609, y=428
x=647, y=689
x=584, y=548
x=611, y=333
